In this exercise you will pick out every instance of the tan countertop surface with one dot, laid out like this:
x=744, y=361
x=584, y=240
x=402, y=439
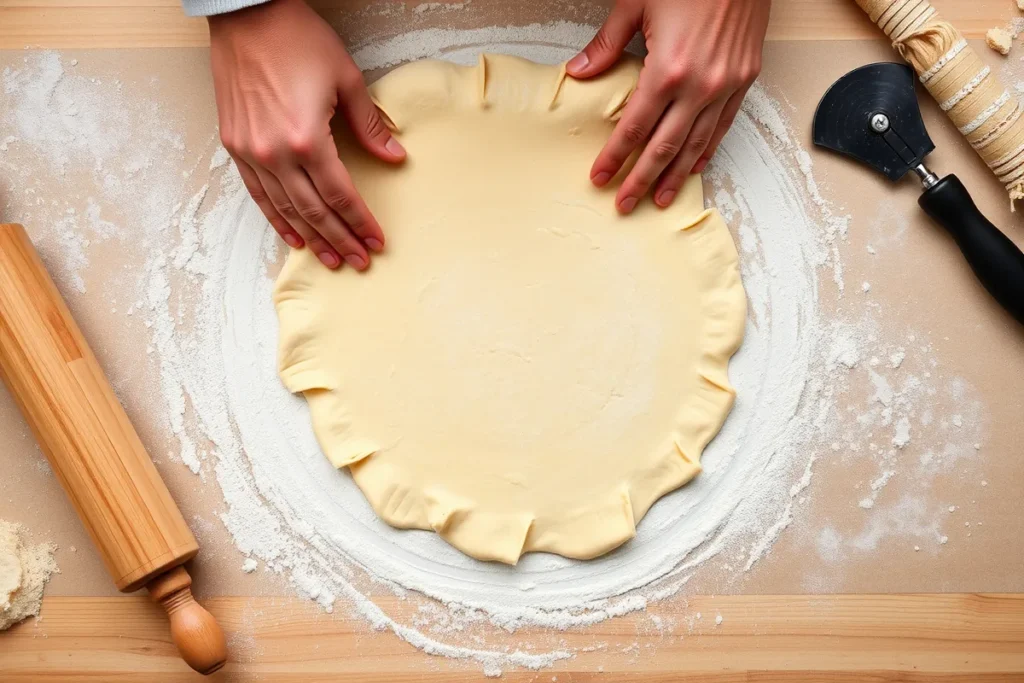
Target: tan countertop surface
x=888, y=623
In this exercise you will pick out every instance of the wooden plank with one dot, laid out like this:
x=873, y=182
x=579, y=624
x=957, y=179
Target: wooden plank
x=929, y=637
x=99, y=27
x=161, y=23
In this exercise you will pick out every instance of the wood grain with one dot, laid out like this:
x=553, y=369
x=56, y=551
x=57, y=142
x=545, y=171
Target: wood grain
x=161, y=23
x=82, y=428
x=93, y=449
x=940, y=637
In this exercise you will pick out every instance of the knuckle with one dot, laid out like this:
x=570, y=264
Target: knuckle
x=314, y=214
x=634, y=133
x=697, y=143
x=637, y=188
x=281, y=227
x=674, y=77
x=672, y=180
x=664, y=152
x=751, y=72
x=287, y=210
x=375, y=126
x=356, y=222
x=715, y=82
x=343, y=243
x=301, y=145
x=259, y=195
x=317, y=243
x=603, y=40
x=263, y=153
x=339, y=201
x=351, y=79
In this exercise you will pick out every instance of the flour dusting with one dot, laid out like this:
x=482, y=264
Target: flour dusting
x=820, y=384
x=24, y=572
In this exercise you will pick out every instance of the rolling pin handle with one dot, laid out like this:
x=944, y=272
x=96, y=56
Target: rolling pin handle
x=197, y=634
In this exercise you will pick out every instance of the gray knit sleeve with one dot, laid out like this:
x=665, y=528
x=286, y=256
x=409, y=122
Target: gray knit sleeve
x=205, y=8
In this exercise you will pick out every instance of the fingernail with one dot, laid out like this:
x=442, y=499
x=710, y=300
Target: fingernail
x=578, y=63
x=329, y=259
x=699, y=166
x=601, y=179
x=666, y=197
x=374, y=244
x=394, y=147
x=293, y=241
x=628, y=204
x=355, y=261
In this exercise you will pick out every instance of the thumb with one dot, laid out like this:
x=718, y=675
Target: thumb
x=367, y=123
x=609, y=43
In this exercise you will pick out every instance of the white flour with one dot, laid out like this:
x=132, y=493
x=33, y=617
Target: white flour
x=800, y=376
x=24, y=571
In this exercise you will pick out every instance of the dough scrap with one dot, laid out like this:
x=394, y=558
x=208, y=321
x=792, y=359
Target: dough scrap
x=24, y=571
x=10, y=565
x=1000, y=40
x=523, y=369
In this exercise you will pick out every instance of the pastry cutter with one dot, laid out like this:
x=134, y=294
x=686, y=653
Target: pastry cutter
x=871, y=114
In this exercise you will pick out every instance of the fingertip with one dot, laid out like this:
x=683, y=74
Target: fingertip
x=328, y=259
x=395, y=148
x=664, y=198
x=374, y=244
x=576, y=66
x=292, y=240
x=601, y=178
x=356, y=261
x=699, y=166
x=627, y=205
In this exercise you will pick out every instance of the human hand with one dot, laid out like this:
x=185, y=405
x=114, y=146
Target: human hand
x=703, y=55
x=280, y=72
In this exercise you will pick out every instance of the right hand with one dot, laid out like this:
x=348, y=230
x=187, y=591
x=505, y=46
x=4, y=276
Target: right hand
x=280, y=72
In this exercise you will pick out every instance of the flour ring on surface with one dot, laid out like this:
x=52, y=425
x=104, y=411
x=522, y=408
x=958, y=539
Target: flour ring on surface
x=287, y=506
x=523, y=369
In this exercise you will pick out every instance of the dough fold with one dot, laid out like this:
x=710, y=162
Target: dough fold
x=523, y=369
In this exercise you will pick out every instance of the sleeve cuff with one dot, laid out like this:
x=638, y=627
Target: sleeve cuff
x=206, y=8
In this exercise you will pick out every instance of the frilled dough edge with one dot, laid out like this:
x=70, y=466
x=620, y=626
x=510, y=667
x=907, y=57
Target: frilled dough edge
x=405, y=503
x=419, y=91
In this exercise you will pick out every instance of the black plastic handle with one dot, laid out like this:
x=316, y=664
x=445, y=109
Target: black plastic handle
x=997, y=261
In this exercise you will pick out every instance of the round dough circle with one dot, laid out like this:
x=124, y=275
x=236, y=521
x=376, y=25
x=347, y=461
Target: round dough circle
x=523, y=369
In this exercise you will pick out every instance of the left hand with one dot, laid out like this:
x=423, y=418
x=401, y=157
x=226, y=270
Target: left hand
x=703, y=55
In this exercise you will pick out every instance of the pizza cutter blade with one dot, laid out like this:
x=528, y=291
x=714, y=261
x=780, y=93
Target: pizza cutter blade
x=871, y=115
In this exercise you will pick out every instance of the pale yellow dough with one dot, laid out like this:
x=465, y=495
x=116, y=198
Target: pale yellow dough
x=523, y=369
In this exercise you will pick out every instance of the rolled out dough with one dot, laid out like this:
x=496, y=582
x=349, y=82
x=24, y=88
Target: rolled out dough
x=523, y=369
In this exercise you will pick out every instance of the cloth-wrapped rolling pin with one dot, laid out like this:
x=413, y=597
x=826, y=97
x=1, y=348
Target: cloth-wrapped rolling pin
x=95, y=452
x=981, y=107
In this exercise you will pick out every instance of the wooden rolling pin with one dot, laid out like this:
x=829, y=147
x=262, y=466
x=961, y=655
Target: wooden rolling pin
x=94, y=450
x=987, y=113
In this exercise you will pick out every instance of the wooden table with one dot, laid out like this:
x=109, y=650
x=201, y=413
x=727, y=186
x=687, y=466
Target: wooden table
x=952, y=637
x=891, y=637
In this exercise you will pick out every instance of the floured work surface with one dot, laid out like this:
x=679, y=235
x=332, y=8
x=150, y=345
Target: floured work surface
x=531, y=372
x=866, y=425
